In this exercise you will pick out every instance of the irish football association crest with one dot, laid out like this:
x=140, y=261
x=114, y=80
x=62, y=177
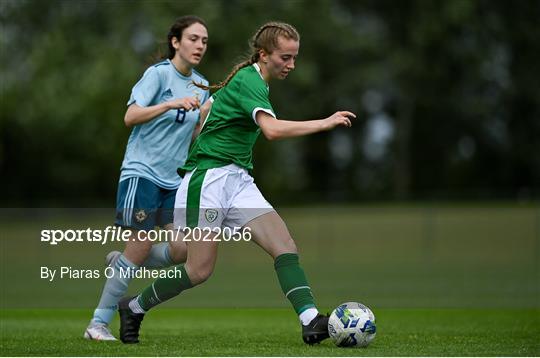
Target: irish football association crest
x=211, y=215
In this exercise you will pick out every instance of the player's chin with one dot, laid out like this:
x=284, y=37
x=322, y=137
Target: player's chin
x=195, y=60
x=283, y=75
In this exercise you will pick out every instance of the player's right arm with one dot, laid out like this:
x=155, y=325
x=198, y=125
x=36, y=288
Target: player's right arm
x=143, y=106
x=136, y=114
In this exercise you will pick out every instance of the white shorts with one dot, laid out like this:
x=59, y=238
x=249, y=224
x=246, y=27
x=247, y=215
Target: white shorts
x=218, y=198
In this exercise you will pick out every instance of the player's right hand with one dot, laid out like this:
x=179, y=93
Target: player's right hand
x=340, y=118
x=187, y=103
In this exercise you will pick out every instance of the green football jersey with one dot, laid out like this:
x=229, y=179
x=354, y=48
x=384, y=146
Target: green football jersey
x=230, y=131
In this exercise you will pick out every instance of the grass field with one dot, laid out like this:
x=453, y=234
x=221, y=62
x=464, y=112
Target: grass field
x=276, y=332
x=455, y=280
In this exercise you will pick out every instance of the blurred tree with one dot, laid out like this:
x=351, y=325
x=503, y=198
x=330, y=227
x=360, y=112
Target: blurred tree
x=446, y=94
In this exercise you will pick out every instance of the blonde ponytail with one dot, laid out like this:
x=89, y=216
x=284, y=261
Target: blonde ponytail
x=265, y=38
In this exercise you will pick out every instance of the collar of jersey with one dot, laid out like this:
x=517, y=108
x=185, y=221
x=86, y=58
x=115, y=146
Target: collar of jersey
x=259, y=72
x=178, y=72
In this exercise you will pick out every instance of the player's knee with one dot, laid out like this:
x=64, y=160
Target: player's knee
x=200, y=274
x=140, y=242
x=137, y=251
x=178, y=252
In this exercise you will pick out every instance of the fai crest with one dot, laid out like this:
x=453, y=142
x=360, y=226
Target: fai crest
x=211, y=215
x=140, y=216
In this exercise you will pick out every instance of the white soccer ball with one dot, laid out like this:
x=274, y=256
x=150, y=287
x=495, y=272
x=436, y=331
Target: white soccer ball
x=352, y=324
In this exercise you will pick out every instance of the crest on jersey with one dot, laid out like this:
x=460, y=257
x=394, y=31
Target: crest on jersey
x=140, y=216
x=211, y=215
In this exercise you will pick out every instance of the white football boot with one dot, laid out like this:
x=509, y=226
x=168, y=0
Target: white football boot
x=98, y=332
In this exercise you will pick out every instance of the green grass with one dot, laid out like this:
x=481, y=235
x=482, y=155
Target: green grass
x=467, y=278
x=276, y=332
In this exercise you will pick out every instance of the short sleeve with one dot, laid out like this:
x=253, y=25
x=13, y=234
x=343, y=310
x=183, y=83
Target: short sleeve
x=215, y=95
x=254, y=99
x=144, y=91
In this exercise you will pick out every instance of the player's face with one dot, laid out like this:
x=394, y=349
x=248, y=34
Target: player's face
x=281, y=61
x=192, y=47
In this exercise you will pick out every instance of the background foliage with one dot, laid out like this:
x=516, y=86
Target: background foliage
x=446, y=93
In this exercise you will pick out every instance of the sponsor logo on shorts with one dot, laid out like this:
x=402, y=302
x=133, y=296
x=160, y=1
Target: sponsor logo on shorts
x=211, y=215
x=140, y=216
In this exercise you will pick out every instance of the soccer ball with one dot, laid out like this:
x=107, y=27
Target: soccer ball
x=352, y=324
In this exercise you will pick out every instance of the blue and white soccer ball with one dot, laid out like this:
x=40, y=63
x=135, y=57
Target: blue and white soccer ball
x=352, y=324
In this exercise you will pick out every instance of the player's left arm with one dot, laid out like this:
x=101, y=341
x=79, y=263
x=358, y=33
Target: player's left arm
x=274, y=129
x=255, y=103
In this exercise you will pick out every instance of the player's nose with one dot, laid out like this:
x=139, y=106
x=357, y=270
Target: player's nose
x=290, y=65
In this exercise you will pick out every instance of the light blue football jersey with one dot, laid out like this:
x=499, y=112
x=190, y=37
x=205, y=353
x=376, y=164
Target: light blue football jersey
x=157, y=148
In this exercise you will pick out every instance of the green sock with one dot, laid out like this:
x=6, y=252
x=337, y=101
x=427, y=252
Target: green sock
x=293, y=282
x=163, y=289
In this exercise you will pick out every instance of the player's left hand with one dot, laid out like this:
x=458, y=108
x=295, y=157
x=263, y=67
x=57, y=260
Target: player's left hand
x=340, y=118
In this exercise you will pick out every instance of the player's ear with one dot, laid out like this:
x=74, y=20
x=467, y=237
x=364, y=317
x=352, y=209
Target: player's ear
x=175, y=42
x=263, y=55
